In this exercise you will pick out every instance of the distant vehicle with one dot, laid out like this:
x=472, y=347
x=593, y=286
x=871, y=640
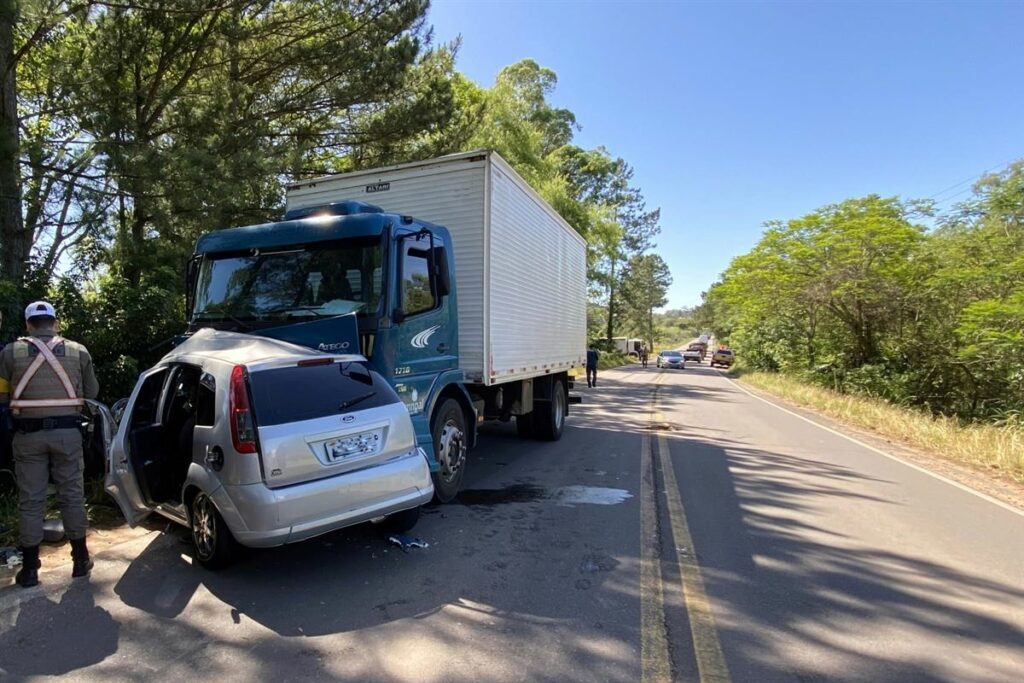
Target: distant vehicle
x=700, y=347
x=723, y=357
x=694, y=354
x=630, y=347
x=671, y=359
x=253, y=441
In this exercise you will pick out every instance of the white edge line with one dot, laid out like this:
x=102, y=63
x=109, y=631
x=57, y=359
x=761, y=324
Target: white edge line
x=871, y=448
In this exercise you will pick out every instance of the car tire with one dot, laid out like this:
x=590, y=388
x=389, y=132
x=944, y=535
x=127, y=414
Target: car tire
x=549, y=419
x=524, y=426
x=448, y=428
x=214, y=545
x=400, y=522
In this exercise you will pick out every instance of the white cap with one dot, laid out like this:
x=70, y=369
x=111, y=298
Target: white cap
x=39, y=308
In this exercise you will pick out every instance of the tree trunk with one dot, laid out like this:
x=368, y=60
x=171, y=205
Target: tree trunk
x=611, y=301
x=14, y=243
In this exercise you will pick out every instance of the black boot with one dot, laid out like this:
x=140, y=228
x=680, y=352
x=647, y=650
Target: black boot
x=28, y=575
x=80, y=554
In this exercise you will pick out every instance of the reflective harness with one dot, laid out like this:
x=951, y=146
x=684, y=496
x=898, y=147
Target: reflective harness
x=45, y=354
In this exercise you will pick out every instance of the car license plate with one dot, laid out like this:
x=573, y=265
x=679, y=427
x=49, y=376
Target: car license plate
x=364, y=443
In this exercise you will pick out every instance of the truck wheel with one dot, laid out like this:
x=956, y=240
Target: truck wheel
x=449, y=432
x=214, y=545
x=524, y=426
x=549, y=417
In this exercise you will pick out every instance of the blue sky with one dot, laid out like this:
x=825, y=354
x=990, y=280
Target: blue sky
x=737, y=113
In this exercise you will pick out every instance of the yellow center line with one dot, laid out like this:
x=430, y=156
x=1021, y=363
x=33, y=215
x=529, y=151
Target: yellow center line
x=654, y=654
x=707, y=648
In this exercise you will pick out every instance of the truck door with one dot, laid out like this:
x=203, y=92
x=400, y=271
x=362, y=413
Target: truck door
x=427, y=339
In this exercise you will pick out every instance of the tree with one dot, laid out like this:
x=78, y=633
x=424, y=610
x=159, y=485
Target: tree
x=644, y=288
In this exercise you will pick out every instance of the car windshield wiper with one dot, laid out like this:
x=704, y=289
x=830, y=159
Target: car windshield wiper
x=358, y=399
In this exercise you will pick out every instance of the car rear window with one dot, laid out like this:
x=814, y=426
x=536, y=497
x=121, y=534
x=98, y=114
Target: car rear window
x=307, y=392
x=725, y=353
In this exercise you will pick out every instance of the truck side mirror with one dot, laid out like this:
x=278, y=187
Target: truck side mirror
x=444, y=284
x=191, y=271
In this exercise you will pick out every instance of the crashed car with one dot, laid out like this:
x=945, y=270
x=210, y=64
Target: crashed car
x=252, y=441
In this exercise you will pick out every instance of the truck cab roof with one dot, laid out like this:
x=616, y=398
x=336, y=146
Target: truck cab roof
x=308, y=225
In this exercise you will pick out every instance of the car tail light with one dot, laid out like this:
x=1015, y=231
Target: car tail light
x=243, y=433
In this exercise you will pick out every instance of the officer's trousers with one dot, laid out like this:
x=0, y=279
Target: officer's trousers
x=36, y=455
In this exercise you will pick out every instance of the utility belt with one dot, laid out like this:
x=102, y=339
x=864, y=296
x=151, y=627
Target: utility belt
x=29, y=425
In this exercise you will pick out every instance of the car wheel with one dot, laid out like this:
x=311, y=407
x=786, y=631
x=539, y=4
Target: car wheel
x=399, y=522
x=214, y=545
x=450, y=446
x=549, y=421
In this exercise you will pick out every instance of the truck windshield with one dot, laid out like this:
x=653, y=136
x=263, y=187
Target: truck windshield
x=333, y=279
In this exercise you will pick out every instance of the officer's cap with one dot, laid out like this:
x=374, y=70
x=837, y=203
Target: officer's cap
x=39, y=308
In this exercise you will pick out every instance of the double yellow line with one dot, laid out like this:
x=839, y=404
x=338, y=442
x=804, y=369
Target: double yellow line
x=655, y=657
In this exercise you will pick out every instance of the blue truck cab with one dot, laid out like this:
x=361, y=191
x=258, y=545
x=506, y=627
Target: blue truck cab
x=348, y=277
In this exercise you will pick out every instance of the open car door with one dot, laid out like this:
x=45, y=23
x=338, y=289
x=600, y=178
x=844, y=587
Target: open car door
x=121, y=480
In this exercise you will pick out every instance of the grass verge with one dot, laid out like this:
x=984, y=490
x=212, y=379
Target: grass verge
x=987, y=446
x=608, y=360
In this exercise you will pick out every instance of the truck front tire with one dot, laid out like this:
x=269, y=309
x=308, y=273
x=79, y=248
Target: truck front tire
x=549, y=417
x=448, y=428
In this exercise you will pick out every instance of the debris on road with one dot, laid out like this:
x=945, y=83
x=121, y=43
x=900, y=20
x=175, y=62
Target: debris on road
x=10, y=557
x=405, y=542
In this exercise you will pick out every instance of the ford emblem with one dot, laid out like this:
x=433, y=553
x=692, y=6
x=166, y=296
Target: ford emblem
x=348, y=418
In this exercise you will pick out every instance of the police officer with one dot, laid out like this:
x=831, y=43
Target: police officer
x=45, y=379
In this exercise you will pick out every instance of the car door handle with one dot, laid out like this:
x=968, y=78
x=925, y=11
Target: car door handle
x=442, y=347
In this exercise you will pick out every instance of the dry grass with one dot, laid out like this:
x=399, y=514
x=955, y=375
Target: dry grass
x=986, y=446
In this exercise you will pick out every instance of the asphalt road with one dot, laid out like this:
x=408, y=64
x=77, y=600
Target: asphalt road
x=681, y=530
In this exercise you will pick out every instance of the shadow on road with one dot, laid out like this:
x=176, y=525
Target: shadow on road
x=505, y=581
x=772, y=571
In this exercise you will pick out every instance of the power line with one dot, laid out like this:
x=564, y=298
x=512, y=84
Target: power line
x=972, y=179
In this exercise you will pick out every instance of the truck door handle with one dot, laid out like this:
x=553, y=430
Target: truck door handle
x=442, y=347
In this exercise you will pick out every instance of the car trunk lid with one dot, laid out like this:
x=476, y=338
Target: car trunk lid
x=323, y=417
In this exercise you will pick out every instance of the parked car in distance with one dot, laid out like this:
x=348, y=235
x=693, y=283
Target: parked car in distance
x=254, y=441
x=671, y=359
x=693, y=354
x=723, y=357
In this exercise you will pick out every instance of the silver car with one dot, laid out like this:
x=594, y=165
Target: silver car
x=671, y=359
x=252, y=441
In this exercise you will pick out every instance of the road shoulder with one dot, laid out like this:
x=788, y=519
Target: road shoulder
x=975, y=479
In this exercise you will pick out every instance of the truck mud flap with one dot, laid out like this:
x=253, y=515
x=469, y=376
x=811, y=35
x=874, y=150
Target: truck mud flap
x=575, y=399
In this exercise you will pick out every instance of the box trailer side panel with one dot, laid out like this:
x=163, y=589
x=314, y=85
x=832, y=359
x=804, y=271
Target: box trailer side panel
x=537, y=283
x=449, y=192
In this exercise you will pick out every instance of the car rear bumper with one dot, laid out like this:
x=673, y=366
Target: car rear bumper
x=259, y=516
